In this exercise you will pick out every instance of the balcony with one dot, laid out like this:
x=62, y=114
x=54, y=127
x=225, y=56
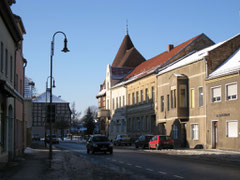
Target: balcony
x=103, y=113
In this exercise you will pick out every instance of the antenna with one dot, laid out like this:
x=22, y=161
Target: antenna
x=127, y=26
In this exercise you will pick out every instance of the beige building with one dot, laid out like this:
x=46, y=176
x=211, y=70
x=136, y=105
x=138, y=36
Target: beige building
x=182, y=96
x=141, y=84
x=222, y=85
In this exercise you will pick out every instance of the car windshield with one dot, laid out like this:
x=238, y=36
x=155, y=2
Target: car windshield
x=165, y=137
x=124, y=136
x=148, y=137
x=100, y=139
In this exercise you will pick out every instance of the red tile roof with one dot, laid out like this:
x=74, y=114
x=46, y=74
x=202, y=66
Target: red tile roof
x=158, y=60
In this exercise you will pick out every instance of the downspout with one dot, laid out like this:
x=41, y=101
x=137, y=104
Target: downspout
x=14, y=81
x=206, y=131
x=23, y=108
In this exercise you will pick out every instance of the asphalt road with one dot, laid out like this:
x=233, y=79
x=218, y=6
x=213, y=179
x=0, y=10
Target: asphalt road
x=146, y=165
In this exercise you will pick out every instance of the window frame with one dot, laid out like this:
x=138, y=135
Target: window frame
x=226, y=95
x=227, y=134
x=200, y=96
x=212, y=94
x=192, y=132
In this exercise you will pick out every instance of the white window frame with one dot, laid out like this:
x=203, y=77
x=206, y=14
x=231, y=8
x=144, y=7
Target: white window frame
x=193, y=134
x=226, y=96
x=199, y=97
x=227, y=134
x=212, y=94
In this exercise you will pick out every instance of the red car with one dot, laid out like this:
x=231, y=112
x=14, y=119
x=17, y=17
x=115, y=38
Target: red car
x=160, y=142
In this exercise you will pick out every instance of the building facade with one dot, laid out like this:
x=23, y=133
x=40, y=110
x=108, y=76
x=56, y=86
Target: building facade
x=182, y=95
x=142, y=86
x=10, y=37
x=126, y=59
x=40, y=123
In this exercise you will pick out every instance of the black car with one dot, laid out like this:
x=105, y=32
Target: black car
x=143, y=140
x=54, y=139
x=99, y=143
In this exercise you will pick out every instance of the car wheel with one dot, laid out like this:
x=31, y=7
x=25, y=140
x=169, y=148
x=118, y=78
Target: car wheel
x=111, y=151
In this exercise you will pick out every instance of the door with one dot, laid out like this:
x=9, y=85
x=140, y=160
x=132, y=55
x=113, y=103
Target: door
x=214, y=134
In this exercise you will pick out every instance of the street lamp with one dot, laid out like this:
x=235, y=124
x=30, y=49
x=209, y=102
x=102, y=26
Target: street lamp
x=47, y=90
x=65, y=49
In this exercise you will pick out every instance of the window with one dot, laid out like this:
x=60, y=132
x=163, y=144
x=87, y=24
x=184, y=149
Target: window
x=153, y=93
x=116, y=102
x=138, y=123
x=129, y=99
x=137, y=97
x=168, y=107
x=162, y=103
x=107, y=85
x=120, y=103
x=192, y=98
x=1, y=57
x=123, y=98
x=173, y=98
x=232, y=128
x=175, y=132
x=11, y=68
x=108, y=104
x=183, y=96
x=6, y=63
x=133, y=98
x=231, y=91
x=141, y=123
x=113, y=103
x=141, y=96
x=146, y=95
x=200, y=96
x=216, y=94
x=194, y=128
x=146, y=123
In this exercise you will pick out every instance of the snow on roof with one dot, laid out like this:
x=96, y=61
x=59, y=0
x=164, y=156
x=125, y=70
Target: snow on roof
x=232, y=64
x=101, y=93
x=190, y=58
x=45, y=97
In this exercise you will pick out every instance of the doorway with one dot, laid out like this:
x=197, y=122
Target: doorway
x=214, y=134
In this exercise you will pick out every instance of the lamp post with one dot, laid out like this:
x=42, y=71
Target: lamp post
x=47, y=90
x=65, y=49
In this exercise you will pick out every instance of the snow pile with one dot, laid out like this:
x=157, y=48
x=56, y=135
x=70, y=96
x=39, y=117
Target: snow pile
x=28, y=150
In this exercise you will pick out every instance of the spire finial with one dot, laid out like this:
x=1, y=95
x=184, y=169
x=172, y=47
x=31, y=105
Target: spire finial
x=127, y=26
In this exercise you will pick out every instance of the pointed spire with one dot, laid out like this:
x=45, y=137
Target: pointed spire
x=127, y=26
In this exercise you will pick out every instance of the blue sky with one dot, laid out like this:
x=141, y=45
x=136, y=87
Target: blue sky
x=96, y=28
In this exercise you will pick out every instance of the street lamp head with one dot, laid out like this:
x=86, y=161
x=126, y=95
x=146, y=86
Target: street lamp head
x=54, y=84
x=65, y=49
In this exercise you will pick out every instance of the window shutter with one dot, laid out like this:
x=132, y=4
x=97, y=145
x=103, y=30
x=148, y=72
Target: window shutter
x=232, y=89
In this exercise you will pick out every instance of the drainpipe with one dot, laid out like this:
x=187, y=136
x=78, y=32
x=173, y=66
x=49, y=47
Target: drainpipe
x=206, y=98
x=14, y=122
x=23, y=108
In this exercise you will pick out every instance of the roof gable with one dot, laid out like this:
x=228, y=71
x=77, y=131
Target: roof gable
x=127, y=55
x=42, y=98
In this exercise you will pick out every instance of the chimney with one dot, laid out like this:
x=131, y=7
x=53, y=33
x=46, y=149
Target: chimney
x=170, y=47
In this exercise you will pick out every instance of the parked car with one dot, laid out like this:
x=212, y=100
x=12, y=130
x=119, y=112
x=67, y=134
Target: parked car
x=99, y=143
x=122, y=139
x=160, y=142
x=55, y=140
x=36, y=137
x=143, y=140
